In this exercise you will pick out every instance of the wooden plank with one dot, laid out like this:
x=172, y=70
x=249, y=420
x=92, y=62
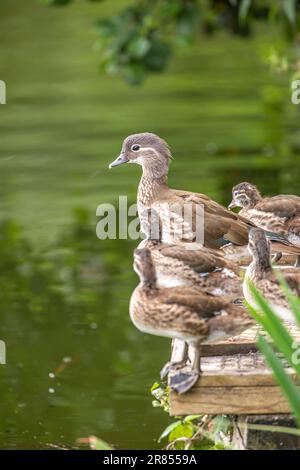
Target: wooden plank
x=237, y=384
x=229, y=400
x=235, y=366
x=233, y=380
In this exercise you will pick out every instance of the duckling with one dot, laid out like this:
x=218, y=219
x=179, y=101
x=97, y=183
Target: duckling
x=188, y=314
x=203, y=267
x=262, y=275
x=210, y=221
x=279, y=214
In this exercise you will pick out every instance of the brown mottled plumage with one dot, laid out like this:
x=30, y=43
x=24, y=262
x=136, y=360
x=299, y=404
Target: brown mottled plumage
x=279, y=214
x=188, y=314
x=262, y=275
x=205, y=268
x=220, y=225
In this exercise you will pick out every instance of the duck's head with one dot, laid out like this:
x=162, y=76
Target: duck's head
x=244, y=195
x=259, y=246
x=143, y=266
x=147, y=150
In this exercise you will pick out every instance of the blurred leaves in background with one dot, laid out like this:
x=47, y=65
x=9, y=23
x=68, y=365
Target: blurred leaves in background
x=142, y=37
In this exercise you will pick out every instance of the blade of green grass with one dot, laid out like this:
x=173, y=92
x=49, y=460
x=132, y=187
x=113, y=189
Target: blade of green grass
x=271, y=428
x=283, y=341
x=288, y=387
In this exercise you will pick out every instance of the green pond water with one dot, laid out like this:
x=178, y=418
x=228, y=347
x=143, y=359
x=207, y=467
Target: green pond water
x=63, y=293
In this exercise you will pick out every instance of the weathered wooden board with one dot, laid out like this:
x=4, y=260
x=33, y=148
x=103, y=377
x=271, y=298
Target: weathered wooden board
x=230, y=400
x=232, y=385
x=233, y=380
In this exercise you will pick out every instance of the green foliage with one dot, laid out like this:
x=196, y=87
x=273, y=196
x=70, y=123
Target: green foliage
x=142, y=37
x=161, y=395
x=137, y=41
x=196, y=432
x=283, y=342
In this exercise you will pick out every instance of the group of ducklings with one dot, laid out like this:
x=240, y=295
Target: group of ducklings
x=194, y=292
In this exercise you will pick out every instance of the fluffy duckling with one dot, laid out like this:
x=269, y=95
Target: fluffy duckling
x=262, y=275
x=205, y=268
x=187, y=314
x=279, y=214
x=209, y=220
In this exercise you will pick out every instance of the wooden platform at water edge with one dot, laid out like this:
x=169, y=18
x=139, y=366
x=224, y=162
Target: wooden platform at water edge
x=235, y=380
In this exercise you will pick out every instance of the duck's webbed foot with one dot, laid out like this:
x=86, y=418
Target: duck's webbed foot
x=184, y=380
x=172, y=367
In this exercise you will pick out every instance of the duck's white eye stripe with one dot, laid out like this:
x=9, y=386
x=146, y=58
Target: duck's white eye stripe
x=146, y=149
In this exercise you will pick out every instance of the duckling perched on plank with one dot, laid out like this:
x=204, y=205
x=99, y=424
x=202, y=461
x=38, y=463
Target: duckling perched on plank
x=188, y=314
x=262, y=275
x=203, y=267
x=279, y=214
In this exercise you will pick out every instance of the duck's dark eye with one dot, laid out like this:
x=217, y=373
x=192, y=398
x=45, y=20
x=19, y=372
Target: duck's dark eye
x=135, y=147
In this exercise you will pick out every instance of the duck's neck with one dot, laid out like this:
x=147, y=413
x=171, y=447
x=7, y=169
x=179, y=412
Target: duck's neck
x=260, y=266
x=152, y=181
x=255, y=199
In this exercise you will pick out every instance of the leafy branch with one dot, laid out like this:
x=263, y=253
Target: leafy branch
x=141, y=38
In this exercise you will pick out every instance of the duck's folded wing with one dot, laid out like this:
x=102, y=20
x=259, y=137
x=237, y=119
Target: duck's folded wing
x=204, y=304
x=218, y=225
x=282, y=206
x=199, y=259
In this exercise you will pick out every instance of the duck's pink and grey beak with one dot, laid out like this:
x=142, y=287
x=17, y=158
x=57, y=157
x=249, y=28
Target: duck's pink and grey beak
x=119, y=161
x=232, y=205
